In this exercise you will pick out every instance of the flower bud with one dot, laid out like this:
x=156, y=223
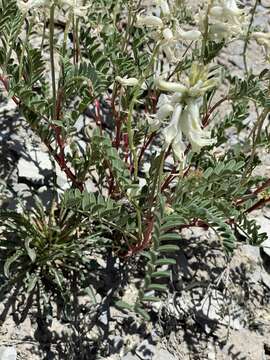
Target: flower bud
x=216, y=11
x=170, y=86
x=149, y=21
x=164, y=6
x=127, y=81
x=167, y=34
x=190, y=35
x=32, y=4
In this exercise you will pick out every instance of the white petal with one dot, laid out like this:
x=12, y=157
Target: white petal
x=190, y=35
x=178, y=148
x=164, y=7
x=164, y=111
x=170, y=86
x=197, y=142
x=169, y=53
x=194, y=113
x=149, y=20
x=153, y=121
x=261, y=35
x=217, y=11
x=32, y=4
x=170, y=132
x=162, y=100
x=167, y=34
x=190, y=124
x=232, y=8
x=127, y=81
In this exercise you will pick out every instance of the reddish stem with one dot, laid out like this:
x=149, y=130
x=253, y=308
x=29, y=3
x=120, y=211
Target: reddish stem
x=64, y=167
x=206, y=118
x=148, y=238
x=145, y=146
x=60, y=159
x=4, y=81
x=257, y=205
x=118, y=122
x=144, y=243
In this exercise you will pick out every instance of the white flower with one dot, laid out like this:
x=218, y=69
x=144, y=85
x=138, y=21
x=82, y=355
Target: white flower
x=149, y=21
x=164, y=107
x=171, y=131
x=190, y=35
x=225, y=20
x=184, y=104
x=168, y=35
x=179, y=147
x=32, y=4
x=262, y=39
x=164, y=7
x=231, y=8
x=75, y=6
x=197, y=84
x=127, y=81
x=216, y=11
x=219, y=30
x=192, y=128
x=153, y=121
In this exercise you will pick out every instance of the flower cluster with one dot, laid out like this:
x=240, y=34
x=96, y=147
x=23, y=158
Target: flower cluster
x=224, y=20
x=74, y=6
x=263, y=39
x=170, y=38
x=33, y=5
x=183, y=108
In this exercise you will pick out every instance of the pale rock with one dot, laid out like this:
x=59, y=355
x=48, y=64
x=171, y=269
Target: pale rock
x=145, y=350
x=243, y=344
x=32, y=166
x=265, y=277
x=266, y=246
x=163, y=355
x=8, y=353
x=130, y=356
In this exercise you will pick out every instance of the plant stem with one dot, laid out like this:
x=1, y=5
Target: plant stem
x=130, y=111
x=206, y=30
x=258, y=127
x=253, y=11
x=157, y=180
x=52, y=58
x=24, y=47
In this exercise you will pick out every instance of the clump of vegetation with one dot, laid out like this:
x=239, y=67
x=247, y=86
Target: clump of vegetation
x=159, y=158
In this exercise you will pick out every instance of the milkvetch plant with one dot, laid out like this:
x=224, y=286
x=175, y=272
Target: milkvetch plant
x=154, y=157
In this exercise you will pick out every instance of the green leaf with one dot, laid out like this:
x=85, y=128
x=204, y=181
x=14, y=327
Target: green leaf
x=173, y=224
x=165, y=262
x=168, y=248
x=142, y=313
x=32, y=281
x=157, y=287
x=170, y=236
x=161, y=274
x=10, y=261
x=31, y=252
x=90, y=292
x=123, y=305
x=150, y=298
x=58, y=277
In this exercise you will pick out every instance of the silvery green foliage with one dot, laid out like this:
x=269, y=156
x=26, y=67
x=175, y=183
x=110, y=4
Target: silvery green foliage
x=156, y=157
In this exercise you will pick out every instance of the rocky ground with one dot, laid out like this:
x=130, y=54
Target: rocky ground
x=217, y=308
